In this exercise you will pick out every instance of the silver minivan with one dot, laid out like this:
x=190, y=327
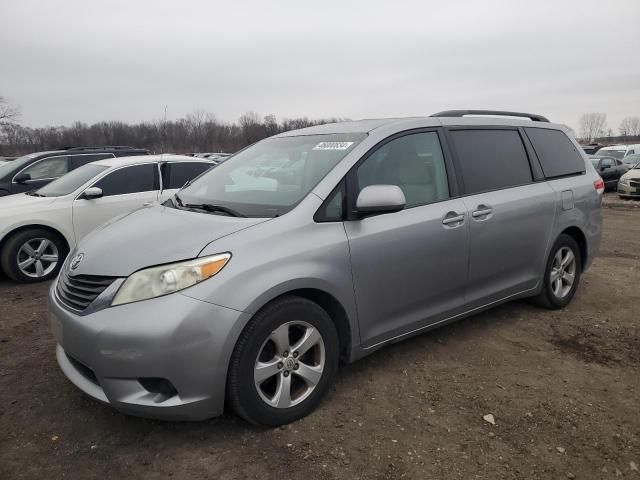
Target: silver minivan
x=318, y=246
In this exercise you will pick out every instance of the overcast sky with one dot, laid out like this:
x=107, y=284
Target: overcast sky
x=78, y=60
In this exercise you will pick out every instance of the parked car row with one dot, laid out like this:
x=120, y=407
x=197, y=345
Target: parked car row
x=38, y=228
x=610, y=169
x=250, y=285
x=37, y=169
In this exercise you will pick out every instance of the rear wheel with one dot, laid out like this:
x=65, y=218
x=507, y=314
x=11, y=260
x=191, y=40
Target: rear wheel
x=33, y=255
x=562, y=274
x=284, y=362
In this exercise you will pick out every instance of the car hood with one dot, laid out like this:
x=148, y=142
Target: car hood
x=634, y=174
x=152, y=236
x=23, y=203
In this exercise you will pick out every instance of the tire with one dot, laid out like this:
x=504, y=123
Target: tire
x=552, y=296
x=256, y=402
x=43, y=266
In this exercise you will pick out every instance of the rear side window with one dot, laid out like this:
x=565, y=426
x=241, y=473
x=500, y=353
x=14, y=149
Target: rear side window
x=177, y=174
x=134, y=179
x=557, y=154
x=491, y=159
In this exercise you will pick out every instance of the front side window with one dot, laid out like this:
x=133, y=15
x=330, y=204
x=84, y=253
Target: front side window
x=272, y=176
x=134, y=179
x=48, y=168
x=414, y=163
x=606, y=162
x=491, y=159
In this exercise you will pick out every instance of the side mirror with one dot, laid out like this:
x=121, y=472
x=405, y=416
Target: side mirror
x=91, y=193
x=22, y=178
x=380, y=199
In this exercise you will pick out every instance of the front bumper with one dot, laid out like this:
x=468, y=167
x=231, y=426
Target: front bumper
x=174, y=340
x=628, y=190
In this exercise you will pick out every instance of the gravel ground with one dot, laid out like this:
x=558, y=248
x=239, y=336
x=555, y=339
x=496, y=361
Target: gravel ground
x=563, y=387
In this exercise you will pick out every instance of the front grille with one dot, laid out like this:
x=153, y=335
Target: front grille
x=78, y=292
x=634, y=184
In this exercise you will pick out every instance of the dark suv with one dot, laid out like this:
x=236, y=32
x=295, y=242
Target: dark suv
x=37, y=169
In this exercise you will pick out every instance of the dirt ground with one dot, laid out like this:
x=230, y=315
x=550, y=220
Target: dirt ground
x=563, y=386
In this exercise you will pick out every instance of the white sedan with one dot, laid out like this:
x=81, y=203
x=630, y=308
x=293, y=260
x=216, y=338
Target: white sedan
x=38, y=229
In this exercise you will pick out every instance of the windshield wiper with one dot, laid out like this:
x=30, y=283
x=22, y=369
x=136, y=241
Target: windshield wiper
x=34, y=194
x=208, y=207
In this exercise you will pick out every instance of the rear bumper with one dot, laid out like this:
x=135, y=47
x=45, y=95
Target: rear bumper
x=182, y=342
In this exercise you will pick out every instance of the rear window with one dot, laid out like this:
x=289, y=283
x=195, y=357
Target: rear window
x=491, y=159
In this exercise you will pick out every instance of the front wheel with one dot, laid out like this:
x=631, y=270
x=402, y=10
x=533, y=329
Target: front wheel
x=284, y=362
x=33, y=255
x=562, y=274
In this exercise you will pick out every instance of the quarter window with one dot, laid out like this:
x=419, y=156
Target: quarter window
x=491, y=159
x=414, y=163
x=49, y=168
x=134, y=179
x=557, y=154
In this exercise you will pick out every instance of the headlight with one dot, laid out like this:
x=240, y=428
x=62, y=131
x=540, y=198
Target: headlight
x=157, y=281
x=624, y=181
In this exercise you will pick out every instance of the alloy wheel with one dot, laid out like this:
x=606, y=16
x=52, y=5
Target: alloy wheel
x=38, y=257
x=290, y=364
x=563, y=272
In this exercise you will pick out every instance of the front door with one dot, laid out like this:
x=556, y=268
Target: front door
x=123, y=190
x=410, y=267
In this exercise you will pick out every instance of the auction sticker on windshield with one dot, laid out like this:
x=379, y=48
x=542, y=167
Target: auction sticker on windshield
x=333, y=145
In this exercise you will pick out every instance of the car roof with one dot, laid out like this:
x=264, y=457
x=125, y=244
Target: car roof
x=619, y=147
x=124, y=161
x=368, y=125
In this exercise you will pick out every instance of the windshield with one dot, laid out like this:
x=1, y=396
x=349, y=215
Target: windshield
x=619, y=154
x=632, y=159
x=71, y=181
x=270, y=177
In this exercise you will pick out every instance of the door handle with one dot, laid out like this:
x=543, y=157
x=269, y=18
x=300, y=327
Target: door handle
x=456, y=218
x=482, y=212
x=147, y=204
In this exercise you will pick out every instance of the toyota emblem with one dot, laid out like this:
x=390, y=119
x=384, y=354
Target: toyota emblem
x=75, y=263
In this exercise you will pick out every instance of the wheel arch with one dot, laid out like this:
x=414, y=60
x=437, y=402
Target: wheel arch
x=581, y=239
x=33, y=226
x=330, y=304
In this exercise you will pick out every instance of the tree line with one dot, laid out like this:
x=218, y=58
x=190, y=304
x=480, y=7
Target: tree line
x=200, y=131
x=594, y=126
x=197, y=132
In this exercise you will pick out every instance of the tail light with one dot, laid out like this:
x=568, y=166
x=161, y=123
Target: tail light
x=599, y=185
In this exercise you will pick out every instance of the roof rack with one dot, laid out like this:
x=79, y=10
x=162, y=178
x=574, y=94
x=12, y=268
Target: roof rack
x=104, y=147
x=462, y=113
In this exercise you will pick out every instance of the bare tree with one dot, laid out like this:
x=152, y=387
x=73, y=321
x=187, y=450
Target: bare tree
x=7, y=112
x=592, y=125
x=630, y=126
